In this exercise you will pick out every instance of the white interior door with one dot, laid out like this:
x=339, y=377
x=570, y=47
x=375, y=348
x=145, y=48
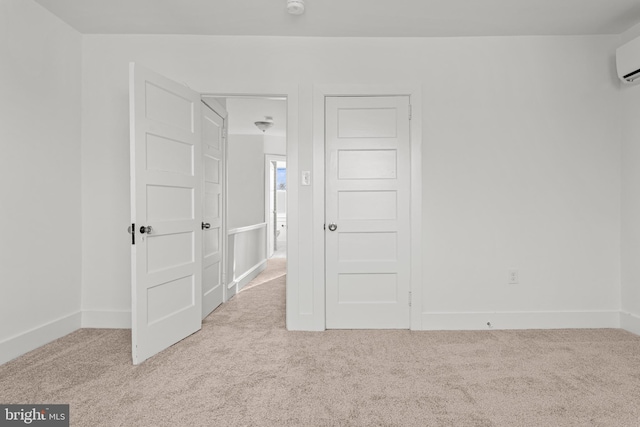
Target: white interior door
x=213, y=142
x=367, y=212
x=270, y=179
x=281, y=205
x=272, y=205
x=166, y=152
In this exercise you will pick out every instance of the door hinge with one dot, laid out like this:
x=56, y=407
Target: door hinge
x=324, y=227
x=410, y=112
x=409, y=298
x=224, y=133
x=132, y=231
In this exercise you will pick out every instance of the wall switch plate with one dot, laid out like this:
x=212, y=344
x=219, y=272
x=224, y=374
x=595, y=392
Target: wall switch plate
x=306, y=177
x=513, y=277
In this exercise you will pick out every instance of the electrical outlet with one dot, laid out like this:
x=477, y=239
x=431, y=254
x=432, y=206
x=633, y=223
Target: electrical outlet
x=513, y=277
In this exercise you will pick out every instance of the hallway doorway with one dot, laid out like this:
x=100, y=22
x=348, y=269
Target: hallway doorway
x=276, y=205
x=257, y=130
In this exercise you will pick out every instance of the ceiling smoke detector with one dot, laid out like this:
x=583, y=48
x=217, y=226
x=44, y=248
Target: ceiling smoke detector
x=295, y=7
x=265, y=124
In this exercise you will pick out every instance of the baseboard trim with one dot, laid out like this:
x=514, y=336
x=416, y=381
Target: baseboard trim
x=303, y=322
x=521, y=320
x=250, y=274
x=106, y=319
x=630, y=322
x=23, y=343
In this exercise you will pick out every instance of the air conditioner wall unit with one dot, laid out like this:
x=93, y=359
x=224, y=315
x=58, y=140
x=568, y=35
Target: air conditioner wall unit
x=628, y=61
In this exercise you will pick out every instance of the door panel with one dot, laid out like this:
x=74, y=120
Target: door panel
x=213, y=123
x=165, y=179
x=169, y=106
x=169, y=298
x=165, y=203
x=212, y=170
x=367, y=197
x=368, y=246
x=212, y=242
x=367, y=288
x=167, y=155
x=367, y=122
x=367, y=164
x=167, y=251
x=367, y=205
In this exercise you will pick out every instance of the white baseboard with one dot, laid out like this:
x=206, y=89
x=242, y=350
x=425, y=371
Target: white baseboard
x=251, y=274
x=39, y=336
x=106, y=319
x=630, y=322
x=231, y=291
x=521, y=320
x=303, y=322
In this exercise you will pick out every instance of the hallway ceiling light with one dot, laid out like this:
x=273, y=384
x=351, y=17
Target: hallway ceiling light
x=265, y=124
x=295, y=7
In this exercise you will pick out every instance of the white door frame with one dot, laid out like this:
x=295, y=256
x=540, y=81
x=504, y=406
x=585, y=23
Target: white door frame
x=290, y=92
x=268, y=158
x=320, y=92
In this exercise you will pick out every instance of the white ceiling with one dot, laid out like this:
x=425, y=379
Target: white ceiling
x=346, y=18
x=244, y=112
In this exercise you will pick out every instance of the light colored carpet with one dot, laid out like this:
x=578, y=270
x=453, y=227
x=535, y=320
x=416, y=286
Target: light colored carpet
x=276, y=267
x=245, y=369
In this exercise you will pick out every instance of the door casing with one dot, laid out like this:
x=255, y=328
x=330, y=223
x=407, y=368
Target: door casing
x=320, y=92
x=294, y=319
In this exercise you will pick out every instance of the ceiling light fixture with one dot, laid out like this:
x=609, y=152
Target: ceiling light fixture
x=265, y=124
x=295, y=7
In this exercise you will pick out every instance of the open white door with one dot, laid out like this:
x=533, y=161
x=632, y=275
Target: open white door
x=166, y=213
x=368, y=233
x=272, y=205
x=213, y=134
x=271, y=213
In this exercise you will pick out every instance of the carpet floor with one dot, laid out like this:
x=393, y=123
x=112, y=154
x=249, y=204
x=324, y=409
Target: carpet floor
x=244, y=369
x=276, y=267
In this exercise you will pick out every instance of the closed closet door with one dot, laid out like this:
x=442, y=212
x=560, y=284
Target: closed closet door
x=367, y=212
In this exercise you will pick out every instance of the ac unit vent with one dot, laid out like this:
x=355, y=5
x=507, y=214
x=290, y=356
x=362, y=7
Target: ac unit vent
x=628, y=61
